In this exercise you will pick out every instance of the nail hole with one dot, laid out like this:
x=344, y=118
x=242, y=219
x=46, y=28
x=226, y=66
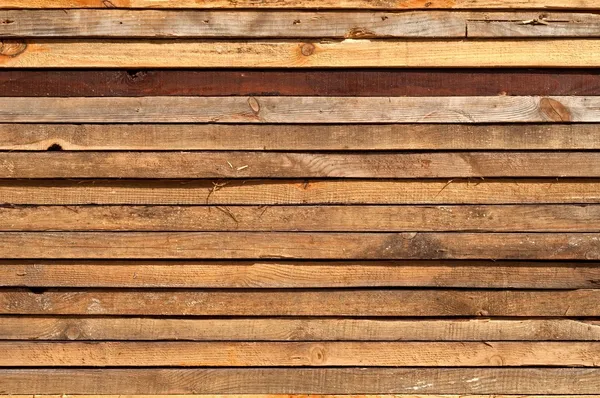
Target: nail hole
x=37, y=290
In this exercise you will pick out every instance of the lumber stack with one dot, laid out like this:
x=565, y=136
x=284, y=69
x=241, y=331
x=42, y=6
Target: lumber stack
x=284, y=198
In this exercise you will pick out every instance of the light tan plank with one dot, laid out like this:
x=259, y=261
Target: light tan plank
x=294, y=329
x=63, y=53
x=157, y=137
x=517, y=109
x=294, y=354
x=295, y=302
x=485, y=218
x=272, y=192
x=298, y=245
x=301, y=274
x=302, y=381
x=156, y=165
x=297, y=396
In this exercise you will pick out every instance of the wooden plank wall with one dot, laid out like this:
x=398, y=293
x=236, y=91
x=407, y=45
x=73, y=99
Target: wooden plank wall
x=290, y=198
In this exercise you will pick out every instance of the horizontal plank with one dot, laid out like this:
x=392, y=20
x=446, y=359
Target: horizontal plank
x=299, y=245
x=349, y=302
x=537, y=275
x=119, y=23
x=320, y=4
x=294, y=329
x=485, y=218
x=315, y=82
x=159, y=137
x=156, y=165
x=302, y=110
x=299, y=396
x=285, y=192
x=354, y=53
x=296, y=354
x=303, y=381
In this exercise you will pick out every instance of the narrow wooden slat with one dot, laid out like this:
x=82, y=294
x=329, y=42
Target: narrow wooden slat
x=272, y=192
x=355, y=53
x=294, y=329
x=299, y=396
x=315, y=82
x=299, y=245
x=302, y=110
x=542, y=24
x=490, y=218
x=321, y=4
x=303, y=381
x=156, y=165
x=351, y=302
x=229, y=274
x=157, y=137
x=296, y=354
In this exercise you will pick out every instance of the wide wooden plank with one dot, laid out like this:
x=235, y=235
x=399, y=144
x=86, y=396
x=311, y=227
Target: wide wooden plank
x=159, y=137
x=156, y=165
x=314, y=82
x=303, y=381
x=533, y=25
x=496, y=109
x=295, y=302
x=492, y=218
x=299, y=245
x=295, y=354
x=321, y=4
x=354, y=53
x=294, y=329
x=285, y=192
x=482, y=274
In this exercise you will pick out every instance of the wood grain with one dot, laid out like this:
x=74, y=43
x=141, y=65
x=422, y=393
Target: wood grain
x=156, y=165
x=296, y=354
x=497, y=109
x=295, y=302
x=158, y=137
x=294, y=329
x=348, y=53
x=313, y=82
x=299, y=245
x=533, y=25
x=301, y=396
x=286, y=192
x=303, y=381
x=485, y=218
x=227, y=274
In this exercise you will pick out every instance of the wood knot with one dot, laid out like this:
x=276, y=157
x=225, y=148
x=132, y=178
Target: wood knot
x=72, y=333
x=254, y=105
x=554, y=110
x=12, y=48
x=317, y=355
x=307, y=49
x=357, y=33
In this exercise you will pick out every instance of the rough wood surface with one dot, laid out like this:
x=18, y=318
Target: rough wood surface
x=486, y=218
x=299, y=396
x=227, y=274
x=295, y=329
x=348, y=53
x=296, y=354
x=315, y=82
x=299, y=245
x=285, y=192
x=303, y=381
x=156, y=165
x=542, y=24
x=158, y=137
x=496, y=109
x=295, y=302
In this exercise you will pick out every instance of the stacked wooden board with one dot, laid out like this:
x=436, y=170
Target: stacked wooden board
x=276, y=197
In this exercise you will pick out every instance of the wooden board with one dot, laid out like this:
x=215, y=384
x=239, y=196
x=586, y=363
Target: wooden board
x=285, y=192
x=299, y=354
x=299, y=245
x=303, y=381
x=156, y=165
x=295, y=302
x=485, y=218
x=294, y=329
x=303, y=396
x=497, y=109
x=158, y=137
x=257, y=274
x=348, y=53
